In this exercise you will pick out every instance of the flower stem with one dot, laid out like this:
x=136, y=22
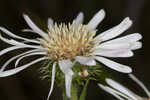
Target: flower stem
x=74, y=93
x=83, y=93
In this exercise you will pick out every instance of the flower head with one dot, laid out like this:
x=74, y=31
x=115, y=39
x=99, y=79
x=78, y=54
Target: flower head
x=66, y=44
x=121, y=92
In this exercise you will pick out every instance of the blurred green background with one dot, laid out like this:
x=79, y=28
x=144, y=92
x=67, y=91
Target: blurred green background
x=28, y=86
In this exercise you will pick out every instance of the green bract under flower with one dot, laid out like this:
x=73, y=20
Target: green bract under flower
x=94, y=73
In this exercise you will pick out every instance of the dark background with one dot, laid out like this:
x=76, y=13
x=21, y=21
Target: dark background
x=28, y=86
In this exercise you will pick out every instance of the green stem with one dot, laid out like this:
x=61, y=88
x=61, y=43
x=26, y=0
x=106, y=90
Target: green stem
x=74, y=93
x=83, y=93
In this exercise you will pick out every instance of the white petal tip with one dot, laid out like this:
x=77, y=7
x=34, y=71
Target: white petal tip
x=24, y=15
x=127, y=22
x=102, y=11
x=68, y=95
x=136, y=45
x=139, y=36
x=108, y=80
x=81, y=14
x=98, y=17
x=126, y=70
x=100, y=85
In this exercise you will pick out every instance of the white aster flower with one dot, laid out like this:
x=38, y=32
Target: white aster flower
x=121, y=92
x=66, y=44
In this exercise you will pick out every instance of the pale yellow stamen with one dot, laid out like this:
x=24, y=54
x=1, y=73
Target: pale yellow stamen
x=67, y=42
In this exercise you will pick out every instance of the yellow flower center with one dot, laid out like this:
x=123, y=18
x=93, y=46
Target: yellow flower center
x=67, y=42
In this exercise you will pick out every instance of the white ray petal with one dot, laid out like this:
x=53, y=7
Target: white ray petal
x=32, y=46
x=120, y=88
x=14, y=42
x=86, y=60
x=15, y=57
x=120, y=45
x=136, y=45
x=50, y=22
x=34, y=27
x=114, y=65
x=65, y=66
x=28, y=30
x=79, y=19
x=110, y=91
x=31, y=54
x=113, y=52
x=68, y=81
x=140, y=84
x=17, y=37
x=52, y=80
x=115, y=31
x=111, y=46
x=18, y=69
x=126, y=39
x=98, y=17
x=120, y=93
x=11, y=42
x=2, y=52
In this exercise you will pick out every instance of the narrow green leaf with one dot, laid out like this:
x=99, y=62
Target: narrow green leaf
x=74, y=92
x=83, y=93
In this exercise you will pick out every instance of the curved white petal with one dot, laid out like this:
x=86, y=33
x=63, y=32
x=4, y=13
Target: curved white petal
x=65, y=66
x=78, y=20
x=50, y=22
x=11, y=42
x=98, y=17
x=126, y=39
x=19, y=44
x=28, y=30
x=2, y=52
x=120, y=88
x=17, y=37
x=134, y=78
x=115, y=31
x=31, y=54
x=111, y=91
x=15, y=57
x=16, y=70
x=113, y=52
x=86, y=60
x=34, y=27
x=113, y=65
x=52, y=80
